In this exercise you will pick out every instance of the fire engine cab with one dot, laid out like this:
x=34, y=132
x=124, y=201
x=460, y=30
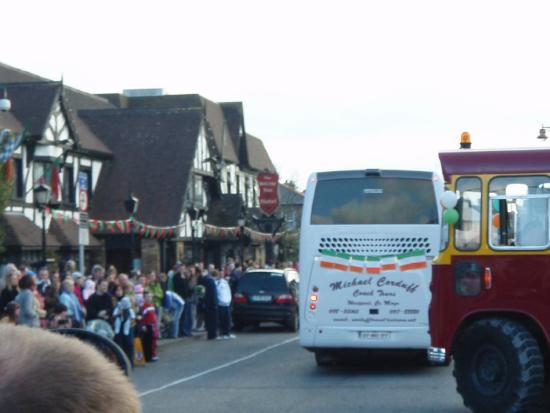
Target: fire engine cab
x=490, y=306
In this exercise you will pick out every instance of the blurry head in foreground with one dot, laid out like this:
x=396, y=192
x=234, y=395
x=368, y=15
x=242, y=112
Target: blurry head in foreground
x=47, y=372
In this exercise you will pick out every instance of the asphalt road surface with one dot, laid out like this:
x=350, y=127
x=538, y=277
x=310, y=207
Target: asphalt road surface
x=266, y=370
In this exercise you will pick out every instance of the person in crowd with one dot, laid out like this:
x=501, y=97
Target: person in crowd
x=11, y=288
x=200, y=307
x=43, y=280
x=173, y=304
x=100, y=303
x=51, y=295
x=89, y=289
x=98, y=273
x=124, y=317
x=211, y=303
x=79, y=280
x=29, y=313
x=11, y=314
x=59, y=318
x=234, y=277
x=183, y=288
x=70, y=268
x=69, y=299
x=224, y=305
x=155, y=288
x=170, y=276
x=51, y=373
x=139, y=289
x=112, y=273
x=149, y=327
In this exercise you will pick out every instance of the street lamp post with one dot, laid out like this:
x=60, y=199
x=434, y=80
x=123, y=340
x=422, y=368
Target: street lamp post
x=131, y=205
x=194, y=215
x=241, y=222
x=42, y=199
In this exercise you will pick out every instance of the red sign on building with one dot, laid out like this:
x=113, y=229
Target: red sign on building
x=269, y=191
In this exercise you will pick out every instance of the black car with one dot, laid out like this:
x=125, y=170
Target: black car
x=267, y=295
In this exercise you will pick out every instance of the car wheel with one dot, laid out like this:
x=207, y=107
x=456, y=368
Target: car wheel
x=498, y=367
x=293, y=323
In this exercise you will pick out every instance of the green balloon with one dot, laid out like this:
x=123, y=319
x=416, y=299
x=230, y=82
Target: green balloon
x=496, y=205
x=450, y=216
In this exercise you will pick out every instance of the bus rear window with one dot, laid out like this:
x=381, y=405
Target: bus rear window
x=374, y=201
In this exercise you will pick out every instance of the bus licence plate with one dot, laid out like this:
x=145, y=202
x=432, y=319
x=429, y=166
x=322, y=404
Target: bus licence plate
x=374, y=335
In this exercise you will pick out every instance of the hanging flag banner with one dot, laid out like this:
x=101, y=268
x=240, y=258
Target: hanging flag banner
x=268, y=182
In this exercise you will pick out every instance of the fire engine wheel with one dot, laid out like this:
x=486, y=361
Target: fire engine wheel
x=498, y=367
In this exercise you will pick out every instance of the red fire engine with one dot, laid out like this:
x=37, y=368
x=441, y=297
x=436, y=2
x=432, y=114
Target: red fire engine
x=490, y=307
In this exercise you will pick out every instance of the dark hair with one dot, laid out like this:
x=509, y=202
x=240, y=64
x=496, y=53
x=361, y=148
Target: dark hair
x=11, y=307
x=59, y=308
x=26, y=282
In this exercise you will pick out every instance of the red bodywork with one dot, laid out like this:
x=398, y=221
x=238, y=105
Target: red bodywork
x=520, y=279
x=520, y=287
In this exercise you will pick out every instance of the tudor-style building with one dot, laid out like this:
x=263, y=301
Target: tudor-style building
x=54, y=153
x=188, y=160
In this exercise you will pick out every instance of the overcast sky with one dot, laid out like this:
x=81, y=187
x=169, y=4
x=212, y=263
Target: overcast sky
x=326, y=85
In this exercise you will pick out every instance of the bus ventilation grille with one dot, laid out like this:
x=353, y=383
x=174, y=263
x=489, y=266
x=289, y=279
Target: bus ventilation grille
x=375, y=246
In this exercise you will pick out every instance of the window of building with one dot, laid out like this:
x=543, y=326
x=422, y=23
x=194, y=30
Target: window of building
x=68, y=185
x=519, y=212
x=468, y=228
x=18, y=190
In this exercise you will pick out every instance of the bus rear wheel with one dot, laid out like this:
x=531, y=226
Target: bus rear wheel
x=498, y=367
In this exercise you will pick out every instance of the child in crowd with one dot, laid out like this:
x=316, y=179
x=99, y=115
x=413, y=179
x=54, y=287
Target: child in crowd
x=124, y=317
x=149, y=327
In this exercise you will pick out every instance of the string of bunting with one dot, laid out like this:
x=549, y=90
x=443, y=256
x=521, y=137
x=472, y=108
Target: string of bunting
x=155, y=232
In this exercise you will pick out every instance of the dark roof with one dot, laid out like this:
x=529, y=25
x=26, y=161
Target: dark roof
x=234, y=117
x=225, y=211
x=9, y=121
x=469, y=162
x=153, y=158
x=22, y=232
x=32, y=103
x=32, y=99
x=67, y=234
x=257, y=157
x=10, y=74
x=212, y=112
x=289, y=196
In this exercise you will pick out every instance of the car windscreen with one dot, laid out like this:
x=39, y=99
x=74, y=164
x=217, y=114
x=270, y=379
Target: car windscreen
x=374, y=201
x=263, y=281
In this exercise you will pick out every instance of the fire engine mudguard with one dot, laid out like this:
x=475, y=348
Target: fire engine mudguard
x=498, y=367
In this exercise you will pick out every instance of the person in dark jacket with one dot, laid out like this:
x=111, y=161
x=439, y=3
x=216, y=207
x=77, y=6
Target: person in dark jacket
x=100, y=303
x=211, y=303
x=10, y=291
x=183, y=287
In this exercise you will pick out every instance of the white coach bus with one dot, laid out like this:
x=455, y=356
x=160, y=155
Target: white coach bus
x=366, y=245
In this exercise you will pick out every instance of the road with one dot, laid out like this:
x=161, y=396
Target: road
x=266, y=370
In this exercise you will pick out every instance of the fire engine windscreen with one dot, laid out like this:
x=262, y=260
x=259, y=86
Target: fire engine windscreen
x=374, y=201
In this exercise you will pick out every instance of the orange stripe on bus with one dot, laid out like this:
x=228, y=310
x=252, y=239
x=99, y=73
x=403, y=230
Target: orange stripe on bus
x=327, y=264
x=413, y=266
x=373, y=270
x=355, y=269
x=340, y=267
x=388, y=267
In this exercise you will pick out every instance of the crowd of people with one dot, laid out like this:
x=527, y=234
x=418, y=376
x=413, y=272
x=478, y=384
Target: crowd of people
x=188, y=300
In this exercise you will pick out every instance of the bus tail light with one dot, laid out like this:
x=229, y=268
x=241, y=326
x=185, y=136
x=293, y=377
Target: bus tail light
x=239, y=298
x=312, y=306
x=487, y=278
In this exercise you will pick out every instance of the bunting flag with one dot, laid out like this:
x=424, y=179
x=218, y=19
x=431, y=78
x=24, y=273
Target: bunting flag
x=150, y=231
x=373, y=265
x=9, y=143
